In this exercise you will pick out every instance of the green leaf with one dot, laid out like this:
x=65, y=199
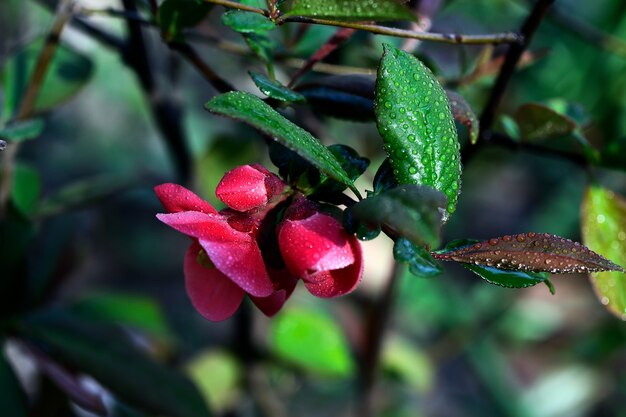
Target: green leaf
x=26, y=189
x=546, y=126
x=253, y=111
x=219, y=376
x=384, y=179
x=509, y=279
x=539, y=122
x=420, y=262
x=604, y=231
x=531, y=252
x=349, y=97
x=67, y=74
x=12, y=398
x=105, y=353
x=463, y=113
x=350, y=10
x=261, y=45
x=81, y=193
x=128, y=310
x=175, y=15
x=416, y=124
x=274, y=89
x=22, y=131
x=401, y=358
x=411, y=211
x=247, y=22
x=312, y=341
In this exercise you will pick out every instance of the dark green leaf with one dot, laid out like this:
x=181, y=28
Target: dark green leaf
x=350, y=10
x=104, y=353
x=384, y=179
x=463, y=113
x=509, y=279
x=274, y=89
x=253, y=111
x=26, y=189
x=416, y=124
x=81, y=193
x=532, y=252
x=128, y=310
x=420, y=262
x=312, y=341
x=67, y=74
x=247, y=22
x=348, y=97
x=604, y=231
x=13, y=400
x=411, y=211
x=22, y=131
x=261, y=45
x=175, y=15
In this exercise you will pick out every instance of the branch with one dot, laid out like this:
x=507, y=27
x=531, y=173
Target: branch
x=453, y=38
x=166, y=112
x=239, y=6
x=27, y=105
x=203, y=68
x=510, y=62
x=377, y=320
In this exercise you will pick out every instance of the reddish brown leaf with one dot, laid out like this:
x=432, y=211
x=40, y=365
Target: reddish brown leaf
x=463, y=113
x=534, y=252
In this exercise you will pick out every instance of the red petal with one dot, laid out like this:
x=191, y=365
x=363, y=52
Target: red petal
x=234, y=253
x=285, y=284
x=272, y=304
x=242, y=262
x=314, y=244
x=243, y=188
x=195, y=223
x=340, y=281
x=177, y=198
x=212, y=293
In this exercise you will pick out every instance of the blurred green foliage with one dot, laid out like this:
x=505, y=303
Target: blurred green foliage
x=90, y=278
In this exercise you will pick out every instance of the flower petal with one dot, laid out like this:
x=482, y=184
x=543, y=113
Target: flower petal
x=338, y=282
x=195, y=223
x=285, y=283
x=212, y=293
x=240, y=259
x=243, y=188
x=234, y=253
x=314, y=244
x=177, y=198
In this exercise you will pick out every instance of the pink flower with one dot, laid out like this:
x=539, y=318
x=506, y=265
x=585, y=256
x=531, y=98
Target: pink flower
x=317, y=249
x=224, y=262
x=250, y=186
x=240, y=250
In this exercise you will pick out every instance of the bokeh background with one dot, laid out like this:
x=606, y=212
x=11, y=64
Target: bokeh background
x=455, y=345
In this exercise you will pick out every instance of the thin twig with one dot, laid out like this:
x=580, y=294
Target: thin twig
x=453, y=38
x=203, y=68
x=510, y=63
x=339, y=37
x=375, y=331
x=239, y=6
x=27, y=105
x=166, y=112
